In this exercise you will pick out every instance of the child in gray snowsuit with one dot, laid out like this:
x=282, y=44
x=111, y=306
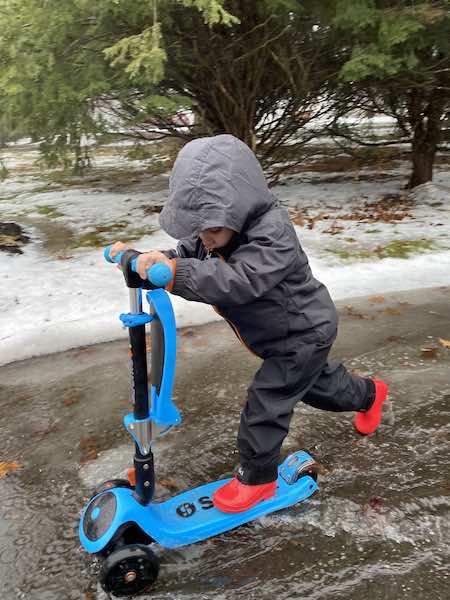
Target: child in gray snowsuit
x=238, y=251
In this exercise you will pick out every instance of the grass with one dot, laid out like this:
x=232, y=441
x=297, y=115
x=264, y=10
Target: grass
x=105, y=234
x=395, y=249
x=404, y=248
x=351, y=254
x=49, y=211
x=156, y=159
x=377, y=158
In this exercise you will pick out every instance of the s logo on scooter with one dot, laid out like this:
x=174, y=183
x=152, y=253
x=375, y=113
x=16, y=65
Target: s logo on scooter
x=206, y=502
x=188, y=508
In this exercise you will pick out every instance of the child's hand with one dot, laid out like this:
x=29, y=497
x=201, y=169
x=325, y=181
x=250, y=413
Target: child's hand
x=118, y=247
x=146, y=260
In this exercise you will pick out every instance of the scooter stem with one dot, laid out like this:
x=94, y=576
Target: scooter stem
x=160, y=411
x=143, y=461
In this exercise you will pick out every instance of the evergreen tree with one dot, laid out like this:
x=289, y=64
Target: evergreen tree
x=56, y=66
x=68, y=68
x=399, y=64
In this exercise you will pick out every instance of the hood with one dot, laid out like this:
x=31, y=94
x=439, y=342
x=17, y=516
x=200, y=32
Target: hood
x=215, y=182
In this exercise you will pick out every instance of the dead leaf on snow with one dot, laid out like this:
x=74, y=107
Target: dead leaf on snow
x=298, y=219
x=8, y=467
x=334, y=229
x=445, y=343
x=63, y=257
x=376, y=299
x=385, y=209
x=312, y=220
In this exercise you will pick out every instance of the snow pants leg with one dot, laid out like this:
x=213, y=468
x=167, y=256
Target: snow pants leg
x=303, y=373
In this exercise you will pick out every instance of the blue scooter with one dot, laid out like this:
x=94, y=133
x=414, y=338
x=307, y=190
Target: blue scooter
x=120, y=522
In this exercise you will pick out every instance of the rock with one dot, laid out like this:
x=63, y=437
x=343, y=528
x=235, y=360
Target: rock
x=12, y=238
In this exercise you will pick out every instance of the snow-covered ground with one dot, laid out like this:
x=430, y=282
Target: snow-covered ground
x=60, y=293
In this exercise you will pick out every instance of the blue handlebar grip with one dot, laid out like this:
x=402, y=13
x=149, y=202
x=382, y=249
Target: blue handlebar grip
x=116, y=259
x=106, y=254
x=159, y=274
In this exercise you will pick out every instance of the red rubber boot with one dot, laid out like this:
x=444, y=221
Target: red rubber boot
x=367, y=422
x=235, y=497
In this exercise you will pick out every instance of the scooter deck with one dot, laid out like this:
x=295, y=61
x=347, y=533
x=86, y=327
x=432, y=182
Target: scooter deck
x=191, y=516
x=188, y=517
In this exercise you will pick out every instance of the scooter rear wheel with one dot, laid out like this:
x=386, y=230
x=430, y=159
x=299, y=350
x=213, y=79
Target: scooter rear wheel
x=308, y=468
x=129, y=571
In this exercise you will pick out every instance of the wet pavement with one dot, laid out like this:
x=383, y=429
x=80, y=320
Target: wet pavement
x=378, y=528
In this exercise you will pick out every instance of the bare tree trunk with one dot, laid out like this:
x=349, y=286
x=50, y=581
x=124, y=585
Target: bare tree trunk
x=423, y=153
x=240, y=124
x=427, y=133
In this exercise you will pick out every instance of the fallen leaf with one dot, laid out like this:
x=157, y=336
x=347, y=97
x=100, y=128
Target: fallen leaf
x=70, y=397
x=8, y=467
x=334, y=229
x=84, y=350
x=376, y=299
x=386, y=209
x=445, y=343
x=9, y=240
x=428, y=352
x=390, y=311
x=88, y=448
x=298, y=220
x=394, y=338
x=169, y=484
x=187, y=332
x=63, y=257
x=351, y=312
x=312, y=220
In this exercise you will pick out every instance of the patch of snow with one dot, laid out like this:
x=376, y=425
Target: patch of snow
x=49, y=305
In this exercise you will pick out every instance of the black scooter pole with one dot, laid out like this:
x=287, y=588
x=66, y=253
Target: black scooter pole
x=143, y=463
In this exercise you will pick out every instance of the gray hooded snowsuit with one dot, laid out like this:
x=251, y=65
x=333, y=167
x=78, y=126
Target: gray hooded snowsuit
x=262, y=285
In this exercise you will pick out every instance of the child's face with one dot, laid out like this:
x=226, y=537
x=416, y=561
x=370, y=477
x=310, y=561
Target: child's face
x=216, y=237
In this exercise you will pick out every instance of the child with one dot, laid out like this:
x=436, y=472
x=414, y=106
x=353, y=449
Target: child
x=240, y=253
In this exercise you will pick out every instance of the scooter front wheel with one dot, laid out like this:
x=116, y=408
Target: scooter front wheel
x=129, y=571
x=110, y=484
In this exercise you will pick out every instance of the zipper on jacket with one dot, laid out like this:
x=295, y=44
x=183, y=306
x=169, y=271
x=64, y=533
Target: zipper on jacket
x=233, y=327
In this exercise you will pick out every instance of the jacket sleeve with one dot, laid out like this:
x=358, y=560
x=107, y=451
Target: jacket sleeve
x=252, y=270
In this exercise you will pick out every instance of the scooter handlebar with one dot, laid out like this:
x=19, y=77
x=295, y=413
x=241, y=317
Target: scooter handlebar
x=159, y=274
